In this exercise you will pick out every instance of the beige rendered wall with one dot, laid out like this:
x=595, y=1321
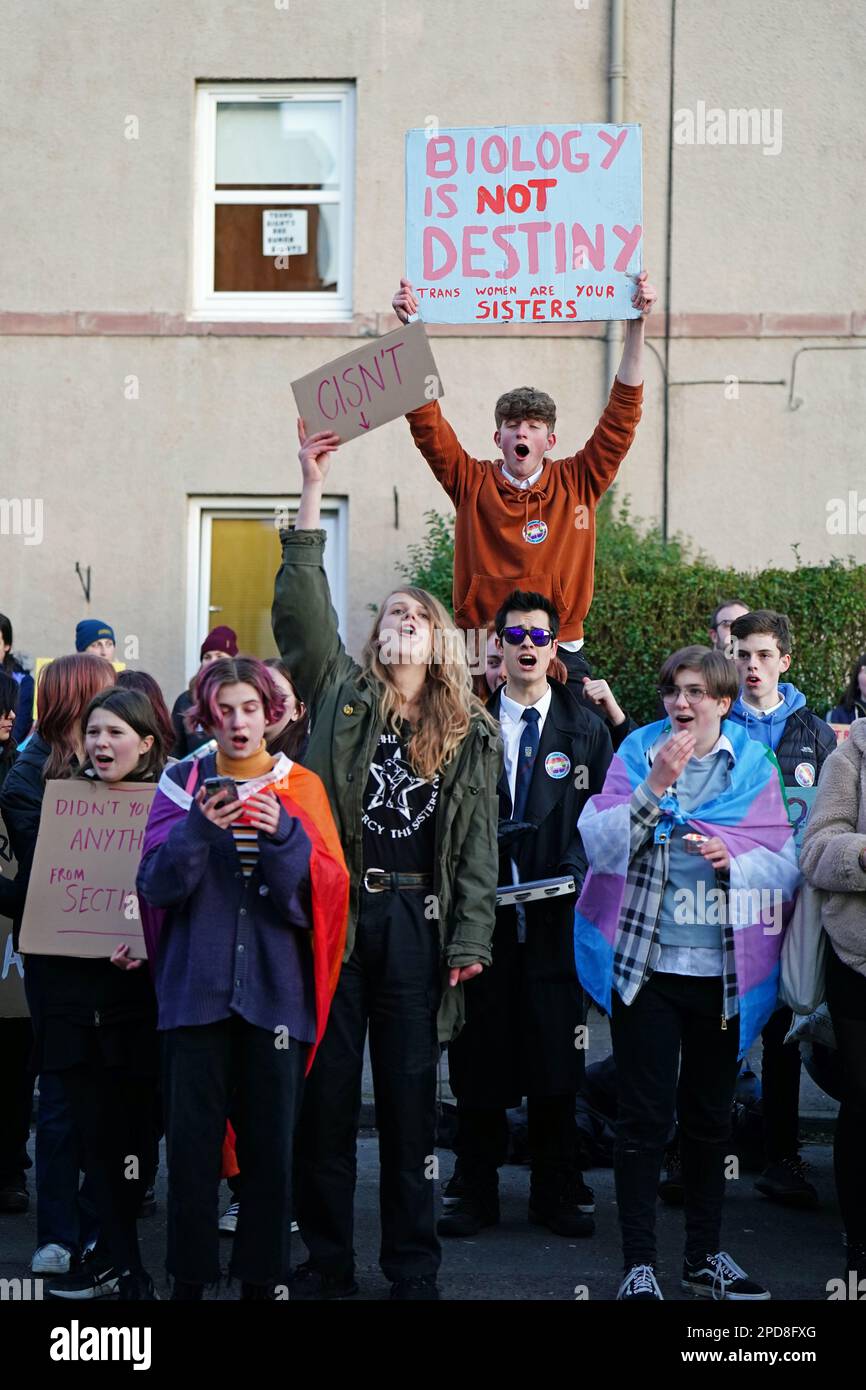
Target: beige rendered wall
x=765, y=259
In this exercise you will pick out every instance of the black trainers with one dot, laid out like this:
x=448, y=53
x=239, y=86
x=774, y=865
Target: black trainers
x=785, y=1182
x=469, y=1215
x=453, y=1189
x=94, y=1278
x=183, y=1292
x=421, y=1288
x=556, y=1206
x=148, y=1205
x=14, y=1199
x=309, y=1282
x=584, y=1196
x=136, y=1286
x=640, y=1286
x=718, y=1276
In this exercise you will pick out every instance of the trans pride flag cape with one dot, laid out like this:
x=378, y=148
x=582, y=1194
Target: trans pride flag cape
x=304, y=797
x=752, y=820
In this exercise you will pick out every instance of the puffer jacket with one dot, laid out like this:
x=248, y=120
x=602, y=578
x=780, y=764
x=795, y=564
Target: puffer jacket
x=346, y=725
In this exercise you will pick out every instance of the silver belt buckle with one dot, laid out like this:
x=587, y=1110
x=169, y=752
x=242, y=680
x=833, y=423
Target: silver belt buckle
x=369, y=886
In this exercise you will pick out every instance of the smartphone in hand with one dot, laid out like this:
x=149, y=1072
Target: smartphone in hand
x=213, y=786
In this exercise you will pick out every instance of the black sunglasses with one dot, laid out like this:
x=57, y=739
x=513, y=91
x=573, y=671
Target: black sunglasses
x=538, y=636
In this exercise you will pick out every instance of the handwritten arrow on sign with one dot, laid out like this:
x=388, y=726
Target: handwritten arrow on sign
x=364, y=422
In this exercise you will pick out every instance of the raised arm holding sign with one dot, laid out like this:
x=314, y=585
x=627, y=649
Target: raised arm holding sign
x=525, y=520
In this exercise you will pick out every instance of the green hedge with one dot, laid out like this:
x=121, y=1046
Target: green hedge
x=652, y=596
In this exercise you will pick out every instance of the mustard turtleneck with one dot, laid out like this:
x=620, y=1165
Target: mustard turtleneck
x=242, y=769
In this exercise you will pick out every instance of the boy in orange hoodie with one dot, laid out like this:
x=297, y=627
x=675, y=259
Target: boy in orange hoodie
x=527, y=521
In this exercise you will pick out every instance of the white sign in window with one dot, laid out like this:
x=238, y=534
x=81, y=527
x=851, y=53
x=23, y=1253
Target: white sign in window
x=284, y=232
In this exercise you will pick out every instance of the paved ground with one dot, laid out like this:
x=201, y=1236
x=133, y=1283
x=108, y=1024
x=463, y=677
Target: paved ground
x=795, y=1253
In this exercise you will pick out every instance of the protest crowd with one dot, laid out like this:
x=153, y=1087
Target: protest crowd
x=337, y=849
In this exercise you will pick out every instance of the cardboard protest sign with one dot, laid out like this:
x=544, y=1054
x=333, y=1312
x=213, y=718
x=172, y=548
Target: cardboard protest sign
x=81, y=900
x=842, y=731
x=370, y=386
x=13, y=1003
x=534, y=224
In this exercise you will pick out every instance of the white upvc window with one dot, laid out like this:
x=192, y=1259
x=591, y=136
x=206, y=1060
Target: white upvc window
x=274, y=182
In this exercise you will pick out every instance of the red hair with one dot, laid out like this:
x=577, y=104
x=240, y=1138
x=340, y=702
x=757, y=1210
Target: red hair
x=144, y=682
x=66, y=687
x=246, y=670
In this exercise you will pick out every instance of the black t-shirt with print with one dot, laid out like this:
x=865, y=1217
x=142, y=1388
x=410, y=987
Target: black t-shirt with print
x=399, y=816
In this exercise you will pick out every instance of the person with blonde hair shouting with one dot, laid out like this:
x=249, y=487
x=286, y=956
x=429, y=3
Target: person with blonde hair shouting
x=410, y=761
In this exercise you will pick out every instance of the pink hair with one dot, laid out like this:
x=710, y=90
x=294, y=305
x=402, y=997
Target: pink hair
x=246, y=670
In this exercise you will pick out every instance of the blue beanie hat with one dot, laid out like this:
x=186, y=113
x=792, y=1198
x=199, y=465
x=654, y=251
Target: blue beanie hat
x=90, y=630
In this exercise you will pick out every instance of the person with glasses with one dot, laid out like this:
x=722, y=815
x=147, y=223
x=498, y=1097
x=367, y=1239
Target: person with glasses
x=677, y=934
x=410, y=760
x=524, y=1017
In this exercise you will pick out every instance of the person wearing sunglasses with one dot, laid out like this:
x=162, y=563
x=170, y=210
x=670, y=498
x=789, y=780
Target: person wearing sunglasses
x=677, y=935
x=525, y=1014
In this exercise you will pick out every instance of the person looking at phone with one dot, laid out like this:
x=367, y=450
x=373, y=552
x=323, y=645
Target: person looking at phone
x=523, y=1015
x=246, y=868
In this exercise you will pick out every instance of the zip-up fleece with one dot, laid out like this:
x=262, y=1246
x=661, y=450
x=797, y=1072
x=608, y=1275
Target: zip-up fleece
x=492, y=554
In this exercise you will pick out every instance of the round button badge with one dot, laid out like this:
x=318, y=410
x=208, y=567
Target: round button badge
x=557, y=765
x=534, y=532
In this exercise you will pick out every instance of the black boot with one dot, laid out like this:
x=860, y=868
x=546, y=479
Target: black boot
x=186, y=1293
x=137, y=1286
x=554, y=1202
x=477, y=1206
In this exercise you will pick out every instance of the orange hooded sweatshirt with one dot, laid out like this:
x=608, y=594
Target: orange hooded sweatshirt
x=540, y=538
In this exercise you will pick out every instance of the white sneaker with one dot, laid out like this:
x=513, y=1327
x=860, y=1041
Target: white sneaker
x=640, y=1286
x=51, y=1259
x=228, y=1223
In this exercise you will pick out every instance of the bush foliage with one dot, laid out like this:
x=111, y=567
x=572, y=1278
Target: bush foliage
x=652, y=596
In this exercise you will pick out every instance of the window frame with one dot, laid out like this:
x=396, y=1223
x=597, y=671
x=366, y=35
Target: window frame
x=291, y=306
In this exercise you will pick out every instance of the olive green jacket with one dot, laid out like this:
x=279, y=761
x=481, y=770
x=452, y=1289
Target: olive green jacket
x=346, y=725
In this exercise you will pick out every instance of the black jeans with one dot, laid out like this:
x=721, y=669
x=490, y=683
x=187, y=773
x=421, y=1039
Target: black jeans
x=846, y=998
x=481, y=1145
x=673, y=1026
x=16, y=1099
x=780, y=1089
x=112, y=1114
x=392, y=980
x=209, y=1070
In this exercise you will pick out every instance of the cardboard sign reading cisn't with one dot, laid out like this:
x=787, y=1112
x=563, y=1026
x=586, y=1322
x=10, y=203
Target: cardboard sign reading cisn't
x=81, y=900
x=368, y=387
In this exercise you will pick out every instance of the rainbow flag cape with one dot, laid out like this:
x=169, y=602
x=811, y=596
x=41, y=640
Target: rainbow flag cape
x=304, y=797
x=752, y=820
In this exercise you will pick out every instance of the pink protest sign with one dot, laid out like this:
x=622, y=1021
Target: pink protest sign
x=524, y=224
x=81, y=900
x=368, y=387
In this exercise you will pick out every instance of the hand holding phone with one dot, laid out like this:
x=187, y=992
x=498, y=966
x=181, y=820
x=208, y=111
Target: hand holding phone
x=221, y=805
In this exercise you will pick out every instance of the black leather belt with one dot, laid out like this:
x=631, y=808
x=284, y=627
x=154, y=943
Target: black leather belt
x=381, y=881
